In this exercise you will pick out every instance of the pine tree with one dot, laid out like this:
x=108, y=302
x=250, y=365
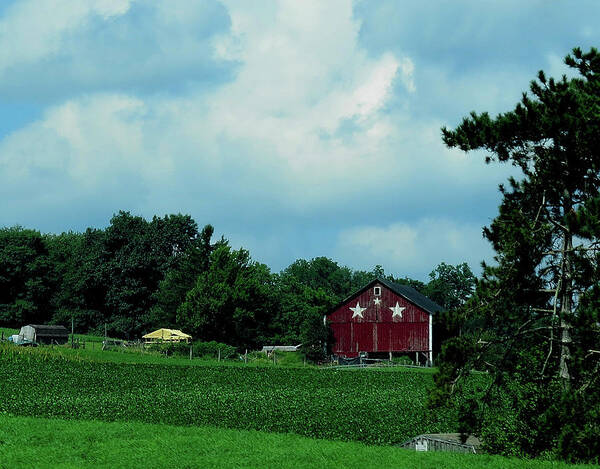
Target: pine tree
x=538, y=333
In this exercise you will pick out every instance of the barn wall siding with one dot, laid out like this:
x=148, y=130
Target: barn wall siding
x=378, y=330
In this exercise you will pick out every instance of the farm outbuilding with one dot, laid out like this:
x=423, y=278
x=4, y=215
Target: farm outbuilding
x=384, y=318
x=281, y=348
x=44, y=334
x=453, y=442
x=166, y=335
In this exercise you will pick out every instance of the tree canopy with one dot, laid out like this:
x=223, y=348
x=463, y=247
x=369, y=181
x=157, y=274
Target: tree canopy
x=26, y=279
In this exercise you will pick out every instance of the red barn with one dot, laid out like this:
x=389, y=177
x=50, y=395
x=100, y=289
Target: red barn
x=383, y=317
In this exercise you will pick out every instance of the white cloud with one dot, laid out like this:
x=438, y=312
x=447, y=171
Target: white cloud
x=51, y=50
x=32, y=30
x=303, y=76
x=370, y=96
x=88, y=141
x=413, y=247
x=280, y=124
x=408, y=67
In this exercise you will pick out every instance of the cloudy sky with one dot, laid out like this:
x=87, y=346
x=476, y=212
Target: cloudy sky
x=297, y=128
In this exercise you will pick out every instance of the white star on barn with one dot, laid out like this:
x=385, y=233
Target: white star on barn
x=397, y=310
x=357, y=310
x=377, y=301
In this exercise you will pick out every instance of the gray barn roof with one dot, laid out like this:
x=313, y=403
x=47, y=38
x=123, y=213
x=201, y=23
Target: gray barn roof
x=49, y=331
x=405, y=291
x=412, y=295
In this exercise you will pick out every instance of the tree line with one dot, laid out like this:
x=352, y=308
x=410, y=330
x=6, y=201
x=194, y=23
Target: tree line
x=137, y=275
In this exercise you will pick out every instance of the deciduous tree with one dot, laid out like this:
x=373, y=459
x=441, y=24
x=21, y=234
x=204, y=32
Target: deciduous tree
x=26, y=279
x=231, y=302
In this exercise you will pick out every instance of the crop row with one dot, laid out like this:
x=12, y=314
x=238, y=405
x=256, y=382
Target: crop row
x=374, y=407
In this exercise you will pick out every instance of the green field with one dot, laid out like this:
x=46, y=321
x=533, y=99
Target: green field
x=52, y=443
x=376, y=407
x=90, y=348
x=93, y=352
x=8, y=331
x=61, y=407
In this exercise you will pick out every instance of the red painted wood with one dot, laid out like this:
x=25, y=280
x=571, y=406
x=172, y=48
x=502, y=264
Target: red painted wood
x=378, y=330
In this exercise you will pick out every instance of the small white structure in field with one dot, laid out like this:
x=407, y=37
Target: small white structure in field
x=281, y=348
x=44, y=334
x=452, y=442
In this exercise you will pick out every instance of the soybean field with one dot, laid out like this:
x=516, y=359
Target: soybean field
x=375, y=407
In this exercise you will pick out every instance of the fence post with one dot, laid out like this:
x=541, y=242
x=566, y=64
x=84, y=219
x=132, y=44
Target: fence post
x=219, y=350
x=191, y=351
x=246, y=356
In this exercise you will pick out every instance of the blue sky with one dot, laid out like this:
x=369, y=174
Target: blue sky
x=298, y=129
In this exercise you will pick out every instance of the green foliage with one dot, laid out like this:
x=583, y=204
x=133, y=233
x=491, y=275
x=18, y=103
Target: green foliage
x=181, y=278
x=137, y=254
x=170, y=348
x=456, y=353
x=315, y=337
x=579, y=417
x=301, y=305
x=81, y=292
x=214, y=349
x=535, y=310
x=7, y=331
x=321, y=273
x=200, y=349
x=26, y=279
x=231, y=301
x=450, y=286
x=110, y=276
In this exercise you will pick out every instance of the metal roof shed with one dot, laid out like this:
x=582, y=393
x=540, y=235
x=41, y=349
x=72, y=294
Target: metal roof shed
x=45, y=334
x=452, y=442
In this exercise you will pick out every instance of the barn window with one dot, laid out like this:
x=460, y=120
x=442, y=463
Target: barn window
x=377, y=291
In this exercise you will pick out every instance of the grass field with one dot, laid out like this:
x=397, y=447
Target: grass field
x=93, y=352
x=8, y=331
x=90, y=348
x=51, y=443
x=82, y=337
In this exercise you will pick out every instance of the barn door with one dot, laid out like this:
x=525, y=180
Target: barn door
x=363, y=336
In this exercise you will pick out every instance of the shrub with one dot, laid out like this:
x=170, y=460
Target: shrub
x=212, y=349
x=171, y=348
